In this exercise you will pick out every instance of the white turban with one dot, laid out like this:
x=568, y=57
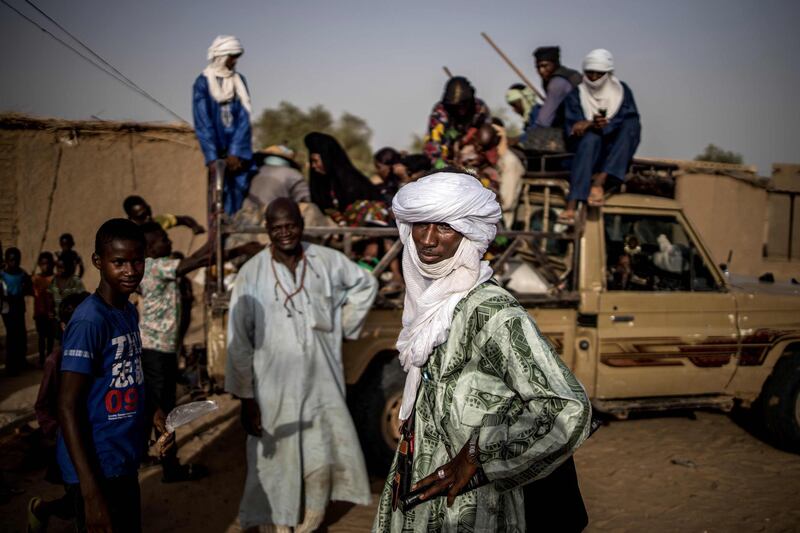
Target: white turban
x=605, y=93
x=432, y=291
x=225, y=45
x=231, y=84
x=599, y=60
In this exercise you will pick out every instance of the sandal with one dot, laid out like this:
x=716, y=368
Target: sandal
x=596, y=199
x=35, y=524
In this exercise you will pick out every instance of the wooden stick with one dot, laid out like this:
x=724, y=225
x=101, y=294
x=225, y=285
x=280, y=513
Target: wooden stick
x=388, y=257
x=512, y=65
x=447, y=71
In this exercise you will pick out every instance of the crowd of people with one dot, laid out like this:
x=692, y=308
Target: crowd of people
x=589, y=117
x=58, y=276
x=488, y=410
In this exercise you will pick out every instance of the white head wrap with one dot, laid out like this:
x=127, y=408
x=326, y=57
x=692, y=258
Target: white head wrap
x=432, y=291
x=605, y=93
x=232, y=84
x=526, y=96
x=599, y=60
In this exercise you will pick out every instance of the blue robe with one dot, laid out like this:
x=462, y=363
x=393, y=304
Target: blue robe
x=223, y=130
x=609, y=150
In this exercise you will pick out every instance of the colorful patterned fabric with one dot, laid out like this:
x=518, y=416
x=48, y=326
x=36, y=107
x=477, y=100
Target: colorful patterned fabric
x=73, y=285
x=161, y=304
x=496, y=375
x=366, y=213
x=443, y=133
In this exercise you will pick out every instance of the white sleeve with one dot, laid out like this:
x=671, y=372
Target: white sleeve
x=359, y=290
x=241, y=345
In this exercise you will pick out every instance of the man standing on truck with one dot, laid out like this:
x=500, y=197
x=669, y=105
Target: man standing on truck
x=221, y=110
x=487, y=406
x=290, y=307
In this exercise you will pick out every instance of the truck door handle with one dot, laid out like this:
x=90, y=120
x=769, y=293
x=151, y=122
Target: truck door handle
x=621, y=318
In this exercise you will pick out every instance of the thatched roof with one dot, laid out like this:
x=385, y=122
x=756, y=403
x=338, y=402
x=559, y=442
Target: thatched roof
x=18, y=121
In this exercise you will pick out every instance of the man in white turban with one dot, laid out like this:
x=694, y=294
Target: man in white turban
x=604, y=128
x=221, y=108
x=487, y=401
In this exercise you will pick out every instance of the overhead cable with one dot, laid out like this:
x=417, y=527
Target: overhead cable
x=105, y=67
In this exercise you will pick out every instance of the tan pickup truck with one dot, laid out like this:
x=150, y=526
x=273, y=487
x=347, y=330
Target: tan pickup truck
x=629, y=297
x=643, y=317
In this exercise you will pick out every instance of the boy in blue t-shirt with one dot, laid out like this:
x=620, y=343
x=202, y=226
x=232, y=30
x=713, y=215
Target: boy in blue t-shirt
x=101, y=396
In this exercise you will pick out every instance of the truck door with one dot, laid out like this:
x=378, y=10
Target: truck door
x=666, y=324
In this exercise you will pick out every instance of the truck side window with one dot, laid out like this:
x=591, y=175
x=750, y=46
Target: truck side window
x=652, y=253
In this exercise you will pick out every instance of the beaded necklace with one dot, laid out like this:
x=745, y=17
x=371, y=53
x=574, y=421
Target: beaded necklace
x=288, y=296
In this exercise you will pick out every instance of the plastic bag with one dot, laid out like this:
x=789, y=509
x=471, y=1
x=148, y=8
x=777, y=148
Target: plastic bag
x=188, y=412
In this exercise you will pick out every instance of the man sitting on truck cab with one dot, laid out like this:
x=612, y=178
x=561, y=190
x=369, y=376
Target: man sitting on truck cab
x=604, y=130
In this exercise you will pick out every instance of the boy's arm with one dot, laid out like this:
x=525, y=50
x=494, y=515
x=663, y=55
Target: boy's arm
x=200, y=258
x=43, y=408
x=191, y=223
x=73, y=391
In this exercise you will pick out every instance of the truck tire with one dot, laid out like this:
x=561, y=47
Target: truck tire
x=780, y=403
x=374, y=405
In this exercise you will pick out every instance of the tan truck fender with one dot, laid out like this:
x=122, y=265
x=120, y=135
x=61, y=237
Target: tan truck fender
x=754, y=368
x=357, y=355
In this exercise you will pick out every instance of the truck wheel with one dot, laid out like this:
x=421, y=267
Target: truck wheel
x=374, y=405
x=780, y=403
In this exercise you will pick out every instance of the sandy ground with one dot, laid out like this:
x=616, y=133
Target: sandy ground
x=692, y=472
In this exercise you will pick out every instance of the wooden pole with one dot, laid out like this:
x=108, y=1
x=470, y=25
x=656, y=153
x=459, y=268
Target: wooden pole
x=447, y=71
x=512, y=65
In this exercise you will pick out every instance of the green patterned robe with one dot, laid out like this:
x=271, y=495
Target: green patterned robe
x=497, y=375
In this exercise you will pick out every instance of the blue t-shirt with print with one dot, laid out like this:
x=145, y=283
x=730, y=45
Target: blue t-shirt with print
x=103, y=341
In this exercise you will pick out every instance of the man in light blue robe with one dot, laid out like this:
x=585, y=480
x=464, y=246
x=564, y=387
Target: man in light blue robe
x=221, y=110
x=291, y=305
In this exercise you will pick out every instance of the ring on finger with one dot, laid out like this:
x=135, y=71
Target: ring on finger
x=441, y=473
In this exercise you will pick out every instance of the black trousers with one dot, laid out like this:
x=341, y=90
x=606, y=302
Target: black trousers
x=160, y=383
x=124, y=504
x=554, y=504
x=16, y=339
x=46, y=330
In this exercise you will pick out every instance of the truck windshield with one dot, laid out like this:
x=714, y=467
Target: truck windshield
x=653, y=253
